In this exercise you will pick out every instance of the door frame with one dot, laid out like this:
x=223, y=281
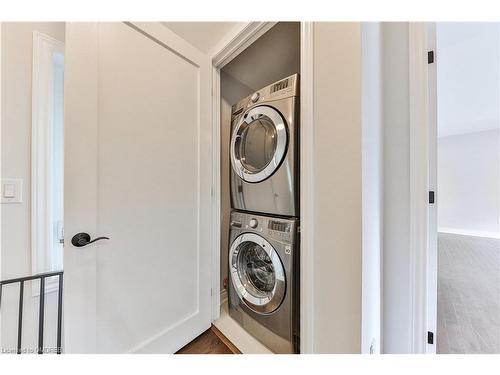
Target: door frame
x=230, y=47
x=432, y=258
x=423, y=229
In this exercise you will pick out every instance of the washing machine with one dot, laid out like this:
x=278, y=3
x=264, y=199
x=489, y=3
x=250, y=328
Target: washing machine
x=264, y=150
x=263, y=279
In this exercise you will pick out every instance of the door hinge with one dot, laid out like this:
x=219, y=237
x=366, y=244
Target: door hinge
x=430, y=337
x=430, y=57
x=432, y=199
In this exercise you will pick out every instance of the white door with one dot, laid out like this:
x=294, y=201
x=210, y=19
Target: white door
x=138, y=170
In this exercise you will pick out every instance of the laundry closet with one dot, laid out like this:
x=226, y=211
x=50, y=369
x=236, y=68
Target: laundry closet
x=263, y=83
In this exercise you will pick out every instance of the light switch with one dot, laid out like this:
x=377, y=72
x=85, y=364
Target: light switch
x=12, y=190
x=9, y=191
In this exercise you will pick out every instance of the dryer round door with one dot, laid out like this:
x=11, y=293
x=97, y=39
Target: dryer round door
x=258, y=144
x=257, y=273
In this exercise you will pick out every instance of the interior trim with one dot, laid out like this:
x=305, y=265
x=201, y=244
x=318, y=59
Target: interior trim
x=238, y=41
x=307, y=187
x=461, y=232
x=432, y=227
x=419, y=184
x=43, y=45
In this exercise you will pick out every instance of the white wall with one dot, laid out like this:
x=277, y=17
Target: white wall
x=468, y=73
x=468, y=184
x=468, y=109
x=372, y=186
x=15, y=163
x=337, y=188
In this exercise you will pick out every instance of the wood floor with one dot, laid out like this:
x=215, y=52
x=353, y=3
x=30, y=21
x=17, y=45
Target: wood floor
x=468, y=294
x=212, y=341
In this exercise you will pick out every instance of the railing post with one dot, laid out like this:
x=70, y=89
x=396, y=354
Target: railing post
x=59, y=313
x=20, y=322
x=41, y=315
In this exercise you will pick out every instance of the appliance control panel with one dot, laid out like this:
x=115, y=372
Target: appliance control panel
x=284, y=88
x=283, y=230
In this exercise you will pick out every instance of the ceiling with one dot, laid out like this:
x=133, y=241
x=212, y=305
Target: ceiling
x=468, y=79
x=203, y=35
x=275, y=55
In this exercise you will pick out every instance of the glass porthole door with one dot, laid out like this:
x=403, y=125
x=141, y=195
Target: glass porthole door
x=257, y=273
x=258, y=144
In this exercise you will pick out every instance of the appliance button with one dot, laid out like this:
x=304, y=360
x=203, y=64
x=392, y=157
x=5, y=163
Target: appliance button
x=253, y=223
x=255, y=97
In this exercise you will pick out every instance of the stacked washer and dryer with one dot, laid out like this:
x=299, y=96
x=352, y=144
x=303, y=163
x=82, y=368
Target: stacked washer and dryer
x=264, y=225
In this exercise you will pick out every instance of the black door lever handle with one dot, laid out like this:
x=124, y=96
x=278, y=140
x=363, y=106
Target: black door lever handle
x=83, y=239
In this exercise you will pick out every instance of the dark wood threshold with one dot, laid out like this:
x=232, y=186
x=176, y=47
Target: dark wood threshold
x=212, y=341
x=225, y=340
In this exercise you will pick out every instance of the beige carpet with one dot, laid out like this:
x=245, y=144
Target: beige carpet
x=468, y=294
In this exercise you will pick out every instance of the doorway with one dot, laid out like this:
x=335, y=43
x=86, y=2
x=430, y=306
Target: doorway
x=269, y=58
x=467, y=197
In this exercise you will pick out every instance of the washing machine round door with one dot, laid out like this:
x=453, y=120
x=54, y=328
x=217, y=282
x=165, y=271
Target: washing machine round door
x=257, y=273
x=258, y=144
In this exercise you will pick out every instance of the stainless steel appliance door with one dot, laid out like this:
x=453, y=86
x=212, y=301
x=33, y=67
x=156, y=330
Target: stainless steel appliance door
x=258, y=144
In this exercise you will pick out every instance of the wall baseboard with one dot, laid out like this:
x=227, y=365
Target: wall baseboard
x=470, y=233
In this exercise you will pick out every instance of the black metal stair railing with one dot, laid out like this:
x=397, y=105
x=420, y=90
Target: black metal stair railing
x=41, y=277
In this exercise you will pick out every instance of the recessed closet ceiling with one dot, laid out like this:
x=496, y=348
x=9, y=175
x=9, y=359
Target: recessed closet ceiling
x=273, y=56
x=202, y=35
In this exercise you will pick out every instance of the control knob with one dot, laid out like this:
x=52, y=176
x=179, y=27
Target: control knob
x=253, y=223
x=255, y=97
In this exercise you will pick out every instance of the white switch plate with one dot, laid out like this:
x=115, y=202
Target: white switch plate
x=12, y=190
x=9, y=190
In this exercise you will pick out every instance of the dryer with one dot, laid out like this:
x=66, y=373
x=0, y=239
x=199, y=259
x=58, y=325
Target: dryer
x=263, y=279
x=264, y=150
